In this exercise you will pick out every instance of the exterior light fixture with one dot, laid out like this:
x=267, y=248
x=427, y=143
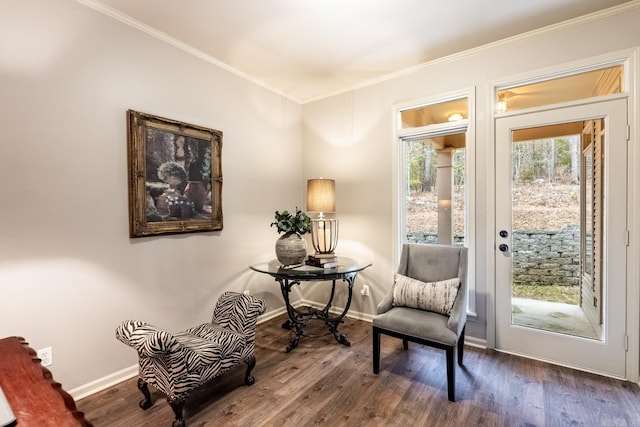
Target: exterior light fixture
x=501, y=105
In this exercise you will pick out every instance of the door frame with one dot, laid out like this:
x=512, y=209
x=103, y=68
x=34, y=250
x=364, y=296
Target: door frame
x=630, y=58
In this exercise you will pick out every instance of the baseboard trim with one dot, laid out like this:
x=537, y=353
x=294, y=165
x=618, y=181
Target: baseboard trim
x=357, y=315
x=104, y=382
x=475, y=342
x=272, y=314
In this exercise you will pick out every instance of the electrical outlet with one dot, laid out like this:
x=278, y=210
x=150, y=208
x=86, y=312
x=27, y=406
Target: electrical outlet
x=365, y=291
x=46, y=356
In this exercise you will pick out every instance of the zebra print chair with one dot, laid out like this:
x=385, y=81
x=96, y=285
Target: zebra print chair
x=178, y=363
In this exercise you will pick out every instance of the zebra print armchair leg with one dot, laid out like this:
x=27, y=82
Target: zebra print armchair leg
x=146, y=403
x=251, y=363
x=177, y=404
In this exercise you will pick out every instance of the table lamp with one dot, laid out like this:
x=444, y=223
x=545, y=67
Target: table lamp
x=321, y=199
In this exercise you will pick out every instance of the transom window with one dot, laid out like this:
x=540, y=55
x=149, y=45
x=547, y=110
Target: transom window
x=554, y=90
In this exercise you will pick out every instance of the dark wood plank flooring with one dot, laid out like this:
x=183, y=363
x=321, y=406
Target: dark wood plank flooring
x=322, y=383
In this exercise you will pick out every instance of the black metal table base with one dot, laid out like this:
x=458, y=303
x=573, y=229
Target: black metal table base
x=299, y=317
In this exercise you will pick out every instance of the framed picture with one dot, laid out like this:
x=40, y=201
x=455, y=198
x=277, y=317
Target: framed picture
x=175, y=176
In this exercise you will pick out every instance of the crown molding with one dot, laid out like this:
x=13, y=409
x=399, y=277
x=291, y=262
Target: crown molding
x=591, y=17
x=162, y=36
x=132, y=22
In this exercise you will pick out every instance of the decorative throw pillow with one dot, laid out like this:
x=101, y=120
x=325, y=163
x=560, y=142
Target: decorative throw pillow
x=431, y=296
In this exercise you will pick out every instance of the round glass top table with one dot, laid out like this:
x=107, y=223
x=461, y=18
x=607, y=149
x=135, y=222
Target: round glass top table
x=346, y=270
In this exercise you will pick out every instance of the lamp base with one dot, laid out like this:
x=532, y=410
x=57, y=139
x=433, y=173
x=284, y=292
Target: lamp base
x=324, y=235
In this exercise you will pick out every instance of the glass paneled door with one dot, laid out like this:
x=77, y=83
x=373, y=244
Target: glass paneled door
x=560, y=236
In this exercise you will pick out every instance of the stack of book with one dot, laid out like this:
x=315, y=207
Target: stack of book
x=323, y=260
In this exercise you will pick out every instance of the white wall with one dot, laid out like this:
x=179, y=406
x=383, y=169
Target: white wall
x=68, y=270
x=350, y=138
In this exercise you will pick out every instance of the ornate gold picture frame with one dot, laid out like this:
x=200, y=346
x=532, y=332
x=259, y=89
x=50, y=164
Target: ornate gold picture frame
x=175, y=176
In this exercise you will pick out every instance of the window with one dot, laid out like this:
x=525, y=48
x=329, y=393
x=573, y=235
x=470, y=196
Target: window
x=573, y=87
x=435, y=193
x=434, y=172
x=431, y=114
x=435, y=181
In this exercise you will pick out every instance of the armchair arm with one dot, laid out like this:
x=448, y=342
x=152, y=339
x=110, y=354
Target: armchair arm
x=146, y=339
x=458, y=315
x=238, y=312
x=387, y=302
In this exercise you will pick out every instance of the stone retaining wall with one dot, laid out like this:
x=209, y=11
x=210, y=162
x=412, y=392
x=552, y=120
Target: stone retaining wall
x=544, y=257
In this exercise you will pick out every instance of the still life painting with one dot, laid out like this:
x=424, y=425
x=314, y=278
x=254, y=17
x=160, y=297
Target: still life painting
x=175, y=176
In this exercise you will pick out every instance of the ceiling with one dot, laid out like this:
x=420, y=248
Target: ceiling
x=309, y=49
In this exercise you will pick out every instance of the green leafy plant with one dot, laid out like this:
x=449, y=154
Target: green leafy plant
x=286, y=222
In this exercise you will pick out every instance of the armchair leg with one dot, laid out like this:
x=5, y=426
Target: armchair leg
x=405, y=344
x=451, y=374
x=177, y=405
x=251, y=363
x=461, y=346
x=376, y=351
x=146, y=403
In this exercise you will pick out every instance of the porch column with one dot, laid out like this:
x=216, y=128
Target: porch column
x=445, y=195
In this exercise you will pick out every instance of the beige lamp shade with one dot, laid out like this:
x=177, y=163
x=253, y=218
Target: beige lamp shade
x=321, y=198
x=321, y=195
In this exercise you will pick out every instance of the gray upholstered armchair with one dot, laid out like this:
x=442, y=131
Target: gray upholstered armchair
x=178, y=363
x=427, y=303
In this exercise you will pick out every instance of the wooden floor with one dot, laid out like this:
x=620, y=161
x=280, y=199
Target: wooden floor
x=323, y=383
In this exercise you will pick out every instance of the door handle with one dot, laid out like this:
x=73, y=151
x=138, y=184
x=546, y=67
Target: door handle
x=503, y=248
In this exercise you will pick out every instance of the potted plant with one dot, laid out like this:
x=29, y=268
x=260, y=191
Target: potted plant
x=291, y=248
